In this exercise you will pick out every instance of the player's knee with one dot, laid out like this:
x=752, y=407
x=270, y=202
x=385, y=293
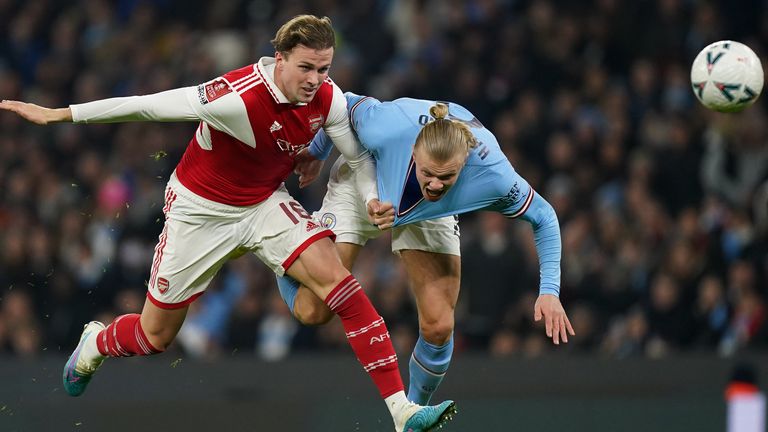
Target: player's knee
x=160, y=339
x=437, y=331
x=311, y=314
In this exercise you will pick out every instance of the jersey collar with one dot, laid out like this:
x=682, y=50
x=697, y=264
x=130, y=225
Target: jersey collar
x=266, y=69
x=411, y=196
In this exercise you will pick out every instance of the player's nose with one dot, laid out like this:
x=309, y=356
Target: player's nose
x=435, y=184
x=313, y=78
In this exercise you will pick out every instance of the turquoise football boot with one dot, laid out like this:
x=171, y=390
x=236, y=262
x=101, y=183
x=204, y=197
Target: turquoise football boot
x=430, y=418
x=78, y=371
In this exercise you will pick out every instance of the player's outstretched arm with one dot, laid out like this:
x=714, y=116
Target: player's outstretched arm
x=534, y=209
x=556, y=322
x=36, y=113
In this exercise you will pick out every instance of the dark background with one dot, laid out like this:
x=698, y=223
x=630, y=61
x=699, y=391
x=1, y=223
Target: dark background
x=663, y=207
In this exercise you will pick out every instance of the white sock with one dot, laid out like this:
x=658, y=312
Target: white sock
x=396, y=403
x=90, y=351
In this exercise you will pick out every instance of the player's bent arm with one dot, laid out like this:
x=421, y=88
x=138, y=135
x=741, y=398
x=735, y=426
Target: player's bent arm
x=358, y=157
x=321, y=146
x=546, y=234
x=170, y=105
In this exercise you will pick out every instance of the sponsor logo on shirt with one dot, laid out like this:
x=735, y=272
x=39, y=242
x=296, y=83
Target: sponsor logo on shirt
x=208, y=93
x=512, y=197
x=288, y=147
x=312, y=226
x=315, y=121
x=275, y=127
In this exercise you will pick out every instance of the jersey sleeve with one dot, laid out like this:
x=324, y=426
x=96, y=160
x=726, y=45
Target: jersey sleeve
x=546, y=235
x=360, y=111
x=521, y=201
x=339, y=130
x=214, y=102
x=170, y=105
x=321, y=146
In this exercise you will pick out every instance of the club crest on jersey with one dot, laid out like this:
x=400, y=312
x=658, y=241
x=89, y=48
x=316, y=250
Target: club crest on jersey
x=208, y=93
x=162, y=285
x=328, y=220
x=315, y=121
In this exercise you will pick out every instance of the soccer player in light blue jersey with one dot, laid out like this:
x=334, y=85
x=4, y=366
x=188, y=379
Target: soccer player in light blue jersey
x=434, y=160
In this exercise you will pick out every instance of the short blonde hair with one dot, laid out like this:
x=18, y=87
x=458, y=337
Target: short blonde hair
x=444, y=138
x=308, y=30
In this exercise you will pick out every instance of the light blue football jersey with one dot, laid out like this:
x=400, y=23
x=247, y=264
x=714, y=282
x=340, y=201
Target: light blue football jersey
x=487, y=181
x=389, y=130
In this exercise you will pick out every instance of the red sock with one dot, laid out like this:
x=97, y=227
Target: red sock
x=367, y=334
x=125, y=338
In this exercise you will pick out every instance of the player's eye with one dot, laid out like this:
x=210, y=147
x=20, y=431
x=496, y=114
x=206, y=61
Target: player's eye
x=323, y=70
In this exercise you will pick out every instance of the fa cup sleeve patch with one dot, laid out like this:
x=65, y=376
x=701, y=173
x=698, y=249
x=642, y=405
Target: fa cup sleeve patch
x=213, y=90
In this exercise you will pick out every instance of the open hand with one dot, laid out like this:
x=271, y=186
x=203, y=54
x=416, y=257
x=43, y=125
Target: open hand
x=556, y=322
x=36, y=113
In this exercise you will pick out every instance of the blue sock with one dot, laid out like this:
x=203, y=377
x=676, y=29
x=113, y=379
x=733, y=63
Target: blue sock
x=427, y=368
x=288, y=288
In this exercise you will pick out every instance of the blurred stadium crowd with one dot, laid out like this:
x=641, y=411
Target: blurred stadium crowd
x=663, y=205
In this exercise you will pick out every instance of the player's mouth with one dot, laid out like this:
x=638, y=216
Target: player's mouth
x=433, y=195
x=309, y=91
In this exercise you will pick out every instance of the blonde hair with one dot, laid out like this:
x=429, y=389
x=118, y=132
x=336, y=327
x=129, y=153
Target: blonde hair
x=308, y=30
x=444, y=138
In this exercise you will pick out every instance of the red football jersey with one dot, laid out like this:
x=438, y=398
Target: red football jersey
x=249, y=133
x=244, y=164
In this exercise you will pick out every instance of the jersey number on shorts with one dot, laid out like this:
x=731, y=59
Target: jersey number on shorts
x=298, y=210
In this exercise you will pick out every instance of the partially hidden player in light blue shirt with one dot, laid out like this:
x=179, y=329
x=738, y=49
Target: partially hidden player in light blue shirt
x=433, y=160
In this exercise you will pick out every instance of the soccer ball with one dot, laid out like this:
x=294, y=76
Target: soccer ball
x=727, y=76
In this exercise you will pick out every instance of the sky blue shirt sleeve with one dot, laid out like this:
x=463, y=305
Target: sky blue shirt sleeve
x=546, y=234
x=321, y=146
x=523, y=202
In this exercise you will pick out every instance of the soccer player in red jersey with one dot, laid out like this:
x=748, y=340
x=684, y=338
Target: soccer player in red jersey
x=227, y=197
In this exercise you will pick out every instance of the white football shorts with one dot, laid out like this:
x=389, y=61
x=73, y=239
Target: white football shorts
x=200, y=235
x=344, y=212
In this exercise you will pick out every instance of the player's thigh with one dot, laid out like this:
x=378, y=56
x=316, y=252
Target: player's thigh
x=343, y=211
x=435, y=281
x=431, y=253
x=192, y=247
x=289, y=240
x=319, y=268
